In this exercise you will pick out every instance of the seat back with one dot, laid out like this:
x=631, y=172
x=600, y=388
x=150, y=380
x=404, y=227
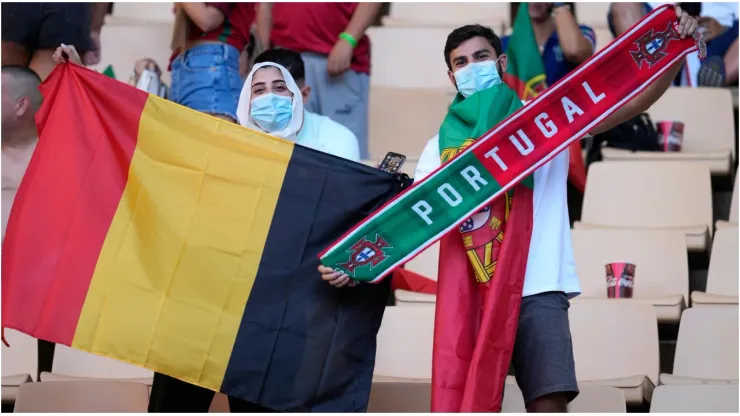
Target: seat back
x=695, y=399
x=82, y=397
x=456, y=14
x=73, y=362
x=22, y=355
x=409, y=57
x=708, y=121
x=707, y=345
x=405, y=339
x=646, y=194
x=659, y=256
x=733, y=205
x=426, y=263
x=402, y=120
x=723, y=268
x=399, y=397
x=614, y=338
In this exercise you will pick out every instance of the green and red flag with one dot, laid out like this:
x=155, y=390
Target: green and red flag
x=525, y=74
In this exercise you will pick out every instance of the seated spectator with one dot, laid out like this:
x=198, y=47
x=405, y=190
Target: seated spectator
x=564, y=44
x=31, y=32
x=718, y=22
x=207, y=41
x=272, y=101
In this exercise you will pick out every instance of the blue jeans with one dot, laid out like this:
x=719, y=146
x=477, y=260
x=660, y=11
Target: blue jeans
x=206, y=78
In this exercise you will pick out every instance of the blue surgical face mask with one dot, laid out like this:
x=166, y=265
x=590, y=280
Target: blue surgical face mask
x=272, y=112
x=476, y=77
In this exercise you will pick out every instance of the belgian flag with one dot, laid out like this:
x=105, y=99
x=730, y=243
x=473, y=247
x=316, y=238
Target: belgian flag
x=156, y=235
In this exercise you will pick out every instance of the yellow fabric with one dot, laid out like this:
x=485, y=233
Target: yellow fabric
x=198, y=202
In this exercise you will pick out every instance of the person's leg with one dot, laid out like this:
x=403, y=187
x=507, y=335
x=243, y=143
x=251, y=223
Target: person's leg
x=342, y=98
x=170, y=395
x=242, y=406
x=543, y=354
x=67, y=23
x=731, y=64
x=45, y=356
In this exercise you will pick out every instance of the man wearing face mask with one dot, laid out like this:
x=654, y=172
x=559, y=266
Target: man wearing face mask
x=543, y=352
x=273, y=112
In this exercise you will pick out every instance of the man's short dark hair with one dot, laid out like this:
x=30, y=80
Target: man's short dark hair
x=467, y=32
x=25, y=83
x=292, y=61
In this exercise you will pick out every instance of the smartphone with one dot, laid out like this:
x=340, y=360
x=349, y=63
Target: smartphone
x=392, y=162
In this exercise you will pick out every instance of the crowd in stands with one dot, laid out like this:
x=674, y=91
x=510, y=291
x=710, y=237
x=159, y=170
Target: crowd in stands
x=302, y=72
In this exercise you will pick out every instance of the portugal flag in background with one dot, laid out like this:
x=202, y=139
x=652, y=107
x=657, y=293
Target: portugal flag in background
x=156, y=235
x=525, y=74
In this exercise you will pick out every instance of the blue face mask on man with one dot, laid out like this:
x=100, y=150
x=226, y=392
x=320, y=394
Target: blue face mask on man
x=477, y=76
x=272, y=112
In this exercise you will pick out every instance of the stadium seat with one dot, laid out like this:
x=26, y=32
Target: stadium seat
x=391, y=66
x=695, y=399
x=425, y=264
x=399, y=397
x=71, y=362
x=659, y=256
x=124, y=41
x=645, y=194
x=402, y=120
x=722, y=280
x=593, y=14
x=709, y=132
x=732, y=222
x=615, y=344
x=404, y=346
x=591, y=399
x=449, y=14
x=707, y=347
x=82, y=397
x=19, y=363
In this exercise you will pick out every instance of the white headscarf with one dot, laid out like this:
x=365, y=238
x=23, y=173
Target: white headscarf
x=245, y=98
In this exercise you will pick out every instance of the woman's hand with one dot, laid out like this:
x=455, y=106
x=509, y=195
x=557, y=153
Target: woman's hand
x=335, y=278
x=72, y=55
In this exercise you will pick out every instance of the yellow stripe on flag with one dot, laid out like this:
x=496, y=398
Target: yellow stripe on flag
x=181, y=255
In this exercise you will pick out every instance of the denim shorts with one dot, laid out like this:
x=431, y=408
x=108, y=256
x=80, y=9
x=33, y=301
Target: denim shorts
x=206, y=78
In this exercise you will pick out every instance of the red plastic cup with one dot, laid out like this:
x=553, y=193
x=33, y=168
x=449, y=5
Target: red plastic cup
x=670, y=135
x=620, y=280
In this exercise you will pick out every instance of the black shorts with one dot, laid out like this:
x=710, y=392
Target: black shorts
x=543, y=351
x=47, y=25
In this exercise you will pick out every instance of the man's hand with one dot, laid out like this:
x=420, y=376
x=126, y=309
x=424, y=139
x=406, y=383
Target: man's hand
x=340, y=58
x=71, y=53
x=711, y=28
x=687, y=25
x=336, y=279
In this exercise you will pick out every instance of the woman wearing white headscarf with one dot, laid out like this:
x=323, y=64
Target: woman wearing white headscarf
x=272, y=102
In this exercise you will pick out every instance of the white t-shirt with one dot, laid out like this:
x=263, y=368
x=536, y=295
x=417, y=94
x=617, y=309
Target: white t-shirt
x=326, y=135
x=550, y=265
x=14, y=164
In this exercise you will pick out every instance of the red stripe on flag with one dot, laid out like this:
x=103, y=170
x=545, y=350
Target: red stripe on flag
x=67, y=200
x=475, y=323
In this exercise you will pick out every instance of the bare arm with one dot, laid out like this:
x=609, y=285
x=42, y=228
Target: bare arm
x=264, y=24
x=576, y=48
x=205, y=17
x=362, y=18
x=99, y=10
x=642, y=102
x=624, y=15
